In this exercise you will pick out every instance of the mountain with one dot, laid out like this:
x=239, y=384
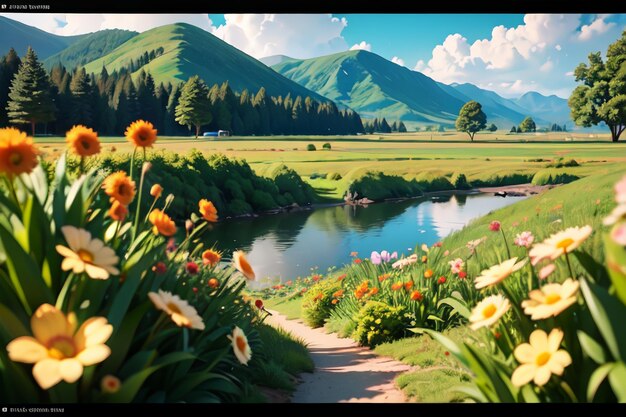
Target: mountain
x=374, y=87
x=89, y=48
x=19, y=36
x=275, y=59
x=551, y=108
x=187, y=50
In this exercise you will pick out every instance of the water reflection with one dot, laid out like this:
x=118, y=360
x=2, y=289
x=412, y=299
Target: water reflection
x=290, y=244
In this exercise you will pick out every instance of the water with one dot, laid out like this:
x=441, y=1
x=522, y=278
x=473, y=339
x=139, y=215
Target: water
x=289, y=245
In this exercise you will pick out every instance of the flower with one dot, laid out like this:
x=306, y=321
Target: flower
x=213, y=283
x=118, y=211
x=416, y=296
x=171, y=245
x=156, y=190
x=181, y=313
x=242, y=265
x=540, y=358
x=446, y=252
x=383, y=277
x=550, y=299
x=318, y=297
x=401, y=263
x=497, y=273
x=18, y=154
x=408, y=285
x=288, y=283
x=162, y=223
x=559, y=243
x=456, y=265
x=159, y=268
x=211, y=257
x=437, y=244
x=488, y=311
x=618, y=234
x=546, y=271
x=141, y=133
x=341, y=277
x=208, y=210
x=110, y=384
x=524, y=239
x=397, y=286
x=338, y=294
x=462, y=274
x=441, y=280
x=376, y=258
x=473, y=244
x=620, y=190
x=354, y=254
x=242, y=350
x=86, y=254
x=616, y=215
x=191, y=268
x=424, y=247
x=334, y=301
x=373, y=291
x=83, y=141
x=361, y=290
x=424, y=259
x=394, y=255
x=188, y=226
x=58, y=351
x=119, y=187
x=316, y=277
x=357, y=261
x=259, y=304
x=428, y=273
x=494, y=226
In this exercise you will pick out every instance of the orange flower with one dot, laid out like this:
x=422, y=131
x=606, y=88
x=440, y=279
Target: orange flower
x=408, y=285
x=397, y=286
x=162, y=223
x=424, y=259
x=335, y=301
x=213, y=283
x=383, y=277
x=210, y=257
x=416, y=296
x=208, y=210
x=338, y=294
x=428, y=273
x=341, y=277
x=141, y=133
x=118, y=211
x=362, y=290
x=156, y=190
x=83, y=141
x=18, y=154
x=373, y=291
x=318, y=297
x=119, y=187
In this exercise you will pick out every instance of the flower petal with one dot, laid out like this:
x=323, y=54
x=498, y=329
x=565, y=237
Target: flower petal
x=562, y=358
x=542, y=375
x=26, y=349
x=94, y=354
x=48, y=322
x=94, y=331
x=554, y=340
x=71, y=237
x=47, y=373
x=96, y=272
x=524, y=353
x=66, y=252
x=71, y=369
x=523, y=374
x=75, y=264
x=539, y=340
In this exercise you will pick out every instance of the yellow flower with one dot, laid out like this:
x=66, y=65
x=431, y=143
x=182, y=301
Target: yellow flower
x=540, y=358
x=208, y=210
x=86, y=254
x=110, y=384
x=119, y=187
x=18, y=154
x=162, y=223
x=559, y=243
x=211, y=257
x=58, y=351
x=497, y=273
x=241, y=348
x=181, y=313
x=488, y=311
x=551, y=299
x=83, y=141
x=156, y=191
x=141, y=133
x=242, y=264
x=118, y=211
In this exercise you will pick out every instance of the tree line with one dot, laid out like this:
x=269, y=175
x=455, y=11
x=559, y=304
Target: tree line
x=108, y=102
x=382, y=126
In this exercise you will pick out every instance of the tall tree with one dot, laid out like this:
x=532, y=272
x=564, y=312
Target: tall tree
x=194, y=106
x=9, y=64
x=471, y=119
x=528, y=125
x=30, y=100
x=82, y=98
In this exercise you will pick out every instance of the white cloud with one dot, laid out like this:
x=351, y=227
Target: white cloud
x=397, y=60
x=547, y=66
x=598, y=26
x=419, y=66
x=557, y=47
x=569, y=73
x=362, y=45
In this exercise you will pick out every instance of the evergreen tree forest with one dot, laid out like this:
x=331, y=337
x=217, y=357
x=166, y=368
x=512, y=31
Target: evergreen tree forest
x=109, y=101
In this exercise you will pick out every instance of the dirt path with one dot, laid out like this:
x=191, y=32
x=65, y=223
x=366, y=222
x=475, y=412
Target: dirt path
x=344, y=372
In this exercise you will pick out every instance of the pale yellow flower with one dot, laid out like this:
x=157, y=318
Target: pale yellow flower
x=401, y=263
x=241, y=348
x=179, y=310
x=241, y=263
x=497, y=273
x=559, y=243
x=86, y=254
x=551, y=299
x=540, y=358
x=488, y=311
x=58, y=351
x=616, y=215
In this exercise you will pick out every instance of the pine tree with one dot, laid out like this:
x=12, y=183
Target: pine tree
x=401, y=127
x=9, y=64
x=194, y=107
x=29, y=97
x=82, y=99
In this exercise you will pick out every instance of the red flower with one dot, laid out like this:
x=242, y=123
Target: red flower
x=494, y=226
x=288, y=283
x=498, y=335
x=446, y=353
x=408, y=285
x=316, y=278
x=195, y=290
x=357, y=261
x=416, y=296
x=341, y=277
x=159, y=268
x=462, y=274
x=259, y=304
x=441, y=280
x=437, y=245
x=192, y=268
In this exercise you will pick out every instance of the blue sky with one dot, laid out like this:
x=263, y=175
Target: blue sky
x=507, y=53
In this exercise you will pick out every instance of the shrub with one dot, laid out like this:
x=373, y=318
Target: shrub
x=560, y=163
x=292, y=186
x=553, y=176
x=318, y=302
x=326, y=146
x=315, y=175
x=334, y=176
x=428, y=182
x=459, y=181
x=379, y=323
x=311, y=147
x=379, y=186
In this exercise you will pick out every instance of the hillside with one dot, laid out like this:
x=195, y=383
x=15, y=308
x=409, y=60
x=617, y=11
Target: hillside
x=275, y=59
x=19, y=36
x=187, y=51
x=89, y=48
x=551, y=108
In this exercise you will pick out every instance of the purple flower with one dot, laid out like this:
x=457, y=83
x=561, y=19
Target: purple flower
x=375, y=258
x=394, y=255
x=385, y=256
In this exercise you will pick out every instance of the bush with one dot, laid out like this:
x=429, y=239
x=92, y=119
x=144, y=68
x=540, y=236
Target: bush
x=292, y=186
x=379, y=186
x=553, y=176
x=459, y=182
x=379, y=323
x=311, y=147
x=326, y=146
x=334, y=176
x=318, y=302
x=315, y=175
x=560, y=163
x=429, y=182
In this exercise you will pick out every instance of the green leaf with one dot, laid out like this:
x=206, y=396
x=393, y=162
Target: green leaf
x=616, y=262
x=592, y=348
x=528, y=394
x=596, y=379
x=457, y=306
x=472, y=391
x=12, y=326
x=594, y=269
x=617, y=379
x=39, y=182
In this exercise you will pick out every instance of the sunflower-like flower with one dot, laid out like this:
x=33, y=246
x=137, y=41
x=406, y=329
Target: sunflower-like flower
x=488, y=311
x=118, y=186
x=559, y=243
x=18, y=154
x=179, y=310
x=208, y=210
x=498, y=273
x=83, y=141
x=141, y=134
x=550, y=299
x=86, y=254
x=241, y=348
x=540, y=358
x=211, y=257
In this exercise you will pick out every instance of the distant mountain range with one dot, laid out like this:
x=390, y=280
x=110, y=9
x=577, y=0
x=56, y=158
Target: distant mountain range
x=361, y=80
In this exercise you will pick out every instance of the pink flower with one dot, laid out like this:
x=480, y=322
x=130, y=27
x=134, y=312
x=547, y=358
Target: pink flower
x=618, y=234
x=620, y=191
x=375, y=258
x=494, y=226
x=437, y=245
x=288, y=283
x=524, y=239
x=446, y=253
x=354, y=254
x=456, y=265
x=546, y=271
x=394, y=255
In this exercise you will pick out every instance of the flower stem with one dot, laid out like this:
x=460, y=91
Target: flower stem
x=506, y=244
x=132, y=163
x=569, y=265
x=136, y=220
x=82, y=165
x=11, y=187
x=64, y=291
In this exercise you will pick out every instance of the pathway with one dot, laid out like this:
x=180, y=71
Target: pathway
x=344, y=371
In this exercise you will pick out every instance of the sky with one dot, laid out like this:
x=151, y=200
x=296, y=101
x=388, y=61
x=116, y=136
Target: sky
x=508, y=53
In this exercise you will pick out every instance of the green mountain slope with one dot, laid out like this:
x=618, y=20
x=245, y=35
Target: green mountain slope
x=374, y=87
x=552, y=108
x=187, y=51
x=89, y=48
x=19, y=36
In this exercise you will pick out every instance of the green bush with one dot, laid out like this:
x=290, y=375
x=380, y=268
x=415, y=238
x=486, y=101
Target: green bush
x=498, y=180
x=429, y=182
x=317, y=304
x=311, y=147
x=315, y=175
x=334, y=176
x=292, y=186
x=560, y=163
x=459, y=181
x=553, y=176
x=379, y=323
x=379, y=186
x=326, y=146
